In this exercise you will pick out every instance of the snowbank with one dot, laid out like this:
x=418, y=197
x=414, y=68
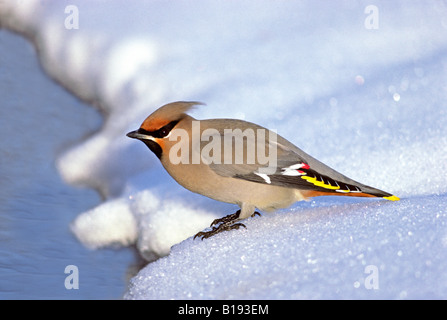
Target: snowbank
x=368, y=102
x=368, y=250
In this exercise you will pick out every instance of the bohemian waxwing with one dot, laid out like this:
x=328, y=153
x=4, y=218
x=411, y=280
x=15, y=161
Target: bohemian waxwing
x=239, y=162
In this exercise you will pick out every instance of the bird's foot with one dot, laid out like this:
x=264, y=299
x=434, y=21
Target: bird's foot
x=231, y=218
x=227, y=219
x=220, y=228
x=226, y=224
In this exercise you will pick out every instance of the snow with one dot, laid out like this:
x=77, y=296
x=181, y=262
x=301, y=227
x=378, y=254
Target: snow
x=368, y=102
x=320, y=252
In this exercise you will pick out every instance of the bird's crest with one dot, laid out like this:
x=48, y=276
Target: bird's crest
x=174, y=111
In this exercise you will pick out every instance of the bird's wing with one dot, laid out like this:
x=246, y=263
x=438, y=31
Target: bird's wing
x=290, y=167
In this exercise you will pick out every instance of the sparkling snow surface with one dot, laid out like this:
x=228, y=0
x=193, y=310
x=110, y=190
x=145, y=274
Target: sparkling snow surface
x=371, y=103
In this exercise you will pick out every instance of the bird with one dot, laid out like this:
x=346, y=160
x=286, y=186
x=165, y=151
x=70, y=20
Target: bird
x=225, y=160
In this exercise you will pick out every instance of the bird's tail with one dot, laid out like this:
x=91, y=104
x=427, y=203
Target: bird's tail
x=363, y=192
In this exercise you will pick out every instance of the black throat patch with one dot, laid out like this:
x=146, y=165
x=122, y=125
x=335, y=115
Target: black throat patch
x=154, y=146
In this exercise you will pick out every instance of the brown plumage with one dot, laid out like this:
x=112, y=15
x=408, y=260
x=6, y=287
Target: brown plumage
x=225, y=159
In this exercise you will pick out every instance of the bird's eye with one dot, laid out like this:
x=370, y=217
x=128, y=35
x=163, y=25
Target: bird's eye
x=164, y=131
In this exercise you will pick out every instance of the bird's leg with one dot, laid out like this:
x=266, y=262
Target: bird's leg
x=226, y=224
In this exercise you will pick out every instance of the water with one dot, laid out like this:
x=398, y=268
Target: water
x=38, y=121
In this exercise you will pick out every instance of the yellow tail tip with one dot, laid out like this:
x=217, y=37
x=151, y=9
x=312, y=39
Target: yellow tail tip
x=392, y=198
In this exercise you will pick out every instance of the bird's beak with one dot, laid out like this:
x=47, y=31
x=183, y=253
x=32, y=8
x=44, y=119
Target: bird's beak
x=138, y=135
x=148, y=140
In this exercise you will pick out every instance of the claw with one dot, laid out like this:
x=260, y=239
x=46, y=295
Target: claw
x=216, y=230
x=204, y=234
x=225, y=225
x=227, y=219
x=256, y=213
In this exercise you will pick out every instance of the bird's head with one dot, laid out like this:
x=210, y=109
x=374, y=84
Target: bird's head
x=156, y=128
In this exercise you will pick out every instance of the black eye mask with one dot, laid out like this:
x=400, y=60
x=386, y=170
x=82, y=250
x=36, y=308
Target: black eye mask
x=160, y=133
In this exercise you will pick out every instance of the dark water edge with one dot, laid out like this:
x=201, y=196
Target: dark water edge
x=39, y=120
